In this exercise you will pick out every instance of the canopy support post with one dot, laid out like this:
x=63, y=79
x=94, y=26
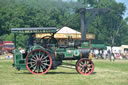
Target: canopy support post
x=15, y=39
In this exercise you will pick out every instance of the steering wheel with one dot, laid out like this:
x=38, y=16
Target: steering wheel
x=48, y=40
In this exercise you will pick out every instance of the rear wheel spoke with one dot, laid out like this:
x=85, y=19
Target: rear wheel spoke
x=34, y=57
x=43, y=67
x=33, y=60
x=45, y=57
x=32, y=65
x=46, y=60
x=38, y=68
x=46, y=64
x=42, y=57
x=34, y=69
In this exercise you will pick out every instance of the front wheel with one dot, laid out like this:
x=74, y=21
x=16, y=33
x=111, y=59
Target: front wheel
x=38, y=61
x=84, y=66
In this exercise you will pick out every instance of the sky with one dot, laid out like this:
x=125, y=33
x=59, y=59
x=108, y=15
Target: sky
x=126, y=4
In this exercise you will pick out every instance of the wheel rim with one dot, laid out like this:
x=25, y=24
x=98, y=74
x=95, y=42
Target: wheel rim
x=38, y=61
x=85, y=66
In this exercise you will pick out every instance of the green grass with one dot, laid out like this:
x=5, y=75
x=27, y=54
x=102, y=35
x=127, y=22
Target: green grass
x=105, y=73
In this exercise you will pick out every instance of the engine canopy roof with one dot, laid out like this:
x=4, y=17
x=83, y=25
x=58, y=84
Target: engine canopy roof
x=34, y=30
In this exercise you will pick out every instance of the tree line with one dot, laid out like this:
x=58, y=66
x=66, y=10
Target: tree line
x=110, y=28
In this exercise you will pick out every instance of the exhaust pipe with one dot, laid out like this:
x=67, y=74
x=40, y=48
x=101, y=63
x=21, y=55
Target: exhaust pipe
x=83, y=23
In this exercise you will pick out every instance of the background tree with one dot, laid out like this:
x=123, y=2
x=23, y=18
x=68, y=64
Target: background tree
x=45, y=13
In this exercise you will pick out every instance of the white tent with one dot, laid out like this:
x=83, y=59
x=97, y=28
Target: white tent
x=68, y=30
x=65, y=32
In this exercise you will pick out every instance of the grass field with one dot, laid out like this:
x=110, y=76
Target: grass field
x=105, y=73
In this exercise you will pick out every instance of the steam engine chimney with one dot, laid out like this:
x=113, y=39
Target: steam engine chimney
x=83, y=23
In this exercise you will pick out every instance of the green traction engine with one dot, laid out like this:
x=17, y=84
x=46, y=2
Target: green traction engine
x=47, y=53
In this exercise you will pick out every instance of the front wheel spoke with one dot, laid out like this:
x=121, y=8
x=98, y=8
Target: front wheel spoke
x=80, y=66
x=81, y=69
x=88, y=62
x=81, y=63
x=84, y=70
x=87, y=70
x=90, y=66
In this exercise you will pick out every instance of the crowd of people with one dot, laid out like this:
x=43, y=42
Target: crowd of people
x=107, y=54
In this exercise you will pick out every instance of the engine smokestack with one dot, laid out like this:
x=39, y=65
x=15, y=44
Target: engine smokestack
x=83, y=23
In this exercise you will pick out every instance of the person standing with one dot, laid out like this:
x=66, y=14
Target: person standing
x=31, y=40
x=109, y=54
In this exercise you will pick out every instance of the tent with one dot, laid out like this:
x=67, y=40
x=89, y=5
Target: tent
x=124, y=49
x=66, y=32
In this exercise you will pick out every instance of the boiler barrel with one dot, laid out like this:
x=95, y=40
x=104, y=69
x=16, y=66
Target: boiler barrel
x=84, y=52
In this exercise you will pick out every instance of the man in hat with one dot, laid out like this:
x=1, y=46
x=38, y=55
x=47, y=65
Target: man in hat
x=31, y=40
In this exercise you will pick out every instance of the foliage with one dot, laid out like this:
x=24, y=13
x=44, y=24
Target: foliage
x=108, y=25
x=47, y=13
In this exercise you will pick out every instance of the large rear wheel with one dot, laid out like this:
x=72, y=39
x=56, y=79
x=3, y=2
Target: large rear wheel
x=38, y=61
